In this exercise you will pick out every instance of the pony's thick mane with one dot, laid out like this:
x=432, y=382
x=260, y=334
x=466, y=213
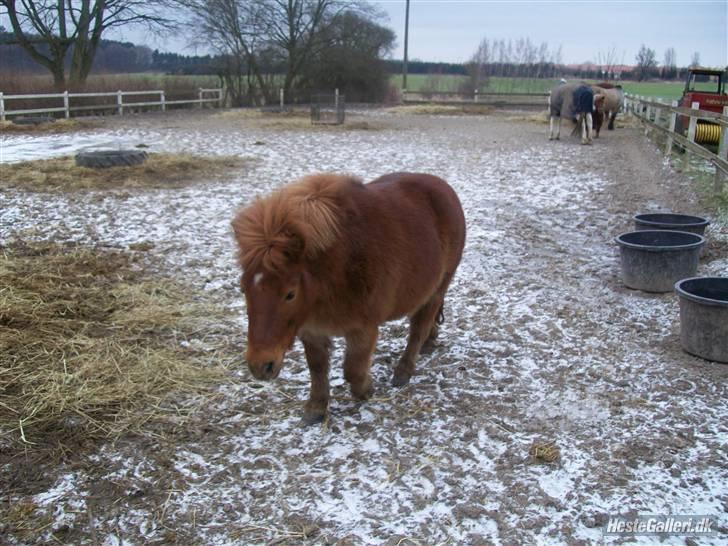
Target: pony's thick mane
x=302, y=219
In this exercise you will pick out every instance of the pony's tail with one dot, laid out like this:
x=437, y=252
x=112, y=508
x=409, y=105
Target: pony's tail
x=440, y=315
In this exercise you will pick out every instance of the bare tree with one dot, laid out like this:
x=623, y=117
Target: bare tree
x=695, y=60
x=270, y=35
x=607, y=60
x=478, y=65
x=50, y=30
x=669, y=65
x=646, y=63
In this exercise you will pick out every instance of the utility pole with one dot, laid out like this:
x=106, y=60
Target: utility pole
x=406, y=36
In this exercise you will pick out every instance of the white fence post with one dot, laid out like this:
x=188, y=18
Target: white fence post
x=120, y=103
x=162, y=101
x=281, y=98
x=336, y=99
x=671, y=126
x=199, y=94
x=66, y=104
x=2, y=107
x=693, y=122
x=475, y=96
x=219, y=98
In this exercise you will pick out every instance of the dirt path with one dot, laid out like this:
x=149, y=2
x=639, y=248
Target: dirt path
x=541, y=344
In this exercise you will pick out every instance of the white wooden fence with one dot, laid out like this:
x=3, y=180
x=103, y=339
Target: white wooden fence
x=486, y=99
x=203, y=96
x=663, y=117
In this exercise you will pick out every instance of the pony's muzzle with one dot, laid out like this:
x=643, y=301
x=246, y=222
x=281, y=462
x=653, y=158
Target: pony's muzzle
x=264, y=365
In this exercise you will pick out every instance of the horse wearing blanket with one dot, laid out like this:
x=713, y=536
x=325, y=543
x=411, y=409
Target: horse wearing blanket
x=574, y=101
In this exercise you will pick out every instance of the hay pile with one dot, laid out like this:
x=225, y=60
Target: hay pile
x=90, y=347
x=159, y=171
x=55, y=127
x=427, y=109
x=295, y=119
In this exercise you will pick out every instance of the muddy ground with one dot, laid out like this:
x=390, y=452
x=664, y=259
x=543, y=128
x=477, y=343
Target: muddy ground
x=541, y=344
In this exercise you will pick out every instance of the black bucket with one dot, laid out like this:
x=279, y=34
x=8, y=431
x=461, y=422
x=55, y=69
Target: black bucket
x=675, y=222
x=704, y=317
x=653, y=261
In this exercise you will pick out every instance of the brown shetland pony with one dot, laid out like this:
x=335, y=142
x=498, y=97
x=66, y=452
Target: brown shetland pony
x=331, y=256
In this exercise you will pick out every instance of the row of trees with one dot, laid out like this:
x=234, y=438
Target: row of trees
x=519, y=58
x=295, y=45
x=261, y=46
x=646, y=65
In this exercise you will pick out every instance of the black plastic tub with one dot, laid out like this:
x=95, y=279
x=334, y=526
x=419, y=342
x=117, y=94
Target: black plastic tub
x=674, y=222
x=653, y=261
x=704, y=317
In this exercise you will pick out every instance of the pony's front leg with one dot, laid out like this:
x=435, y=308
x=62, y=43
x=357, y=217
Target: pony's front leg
x=358, y=360
x=317, y=356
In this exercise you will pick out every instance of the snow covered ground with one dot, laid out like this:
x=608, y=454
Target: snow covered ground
x=541, y=343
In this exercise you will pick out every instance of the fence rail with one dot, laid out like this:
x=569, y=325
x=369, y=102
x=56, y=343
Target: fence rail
x=204, y=96
x=680, y=126
x=486, y=99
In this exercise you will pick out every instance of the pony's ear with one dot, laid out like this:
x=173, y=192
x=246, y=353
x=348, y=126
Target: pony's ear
x=295, y=246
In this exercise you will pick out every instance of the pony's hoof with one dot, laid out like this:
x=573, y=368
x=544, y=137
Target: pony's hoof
x=363, y=393
x=400, y=379
x=312, y=418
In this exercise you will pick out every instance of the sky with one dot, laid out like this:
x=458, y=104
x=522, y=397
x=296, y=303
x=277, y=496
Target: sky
x=450, y=30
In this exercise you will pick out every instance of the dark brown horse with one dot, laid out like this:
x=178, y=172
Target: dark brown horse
x=331, y=256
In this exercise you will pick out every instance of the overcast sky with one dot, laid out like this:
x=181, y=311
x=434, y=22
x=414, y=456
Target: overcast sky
x=450, y=30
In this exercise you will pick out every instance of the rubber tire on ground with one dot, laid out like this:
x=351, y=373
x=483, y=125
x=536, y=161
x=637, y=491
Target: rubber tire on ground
x=32, y=120
x=103, y=159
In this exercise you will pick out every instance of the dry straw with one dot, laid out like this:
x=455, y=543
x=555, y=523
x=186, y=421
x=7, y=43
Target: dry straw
x=544, y=452
x=50, y=127
x=90, y=347
x=159, y=171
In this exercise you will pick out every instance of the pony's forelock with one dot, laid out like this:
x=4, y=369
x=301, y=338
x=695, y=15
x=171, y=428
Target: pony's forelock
x=300, y=220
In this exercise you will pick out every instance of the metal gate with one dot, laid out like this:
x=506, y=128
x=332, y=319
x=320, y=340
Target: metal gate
x=328, y=109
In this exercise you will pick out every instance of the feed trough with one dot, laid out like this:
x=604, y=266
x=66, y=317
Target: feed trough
x=671, y=221
x=653, y=261
x=704, y=317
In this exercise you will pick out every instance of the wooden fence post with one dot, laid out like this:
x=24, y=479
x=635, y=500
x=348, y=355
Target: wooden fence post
x=219, y=98
x=722, y=153
x=2, y=107
x=671, y=125
x=199, y=94
x=119, y=103
x=336, y=99
x=163, y=101
x=66, y=104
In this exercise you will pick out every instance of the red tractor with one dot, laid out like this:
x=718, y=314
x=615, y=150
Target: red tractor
x=707, y=88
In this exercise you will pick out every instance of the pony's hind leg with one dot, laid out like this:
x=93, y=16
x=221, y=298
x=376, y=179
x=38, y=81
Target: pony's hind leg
x=317, y=356
x=422, y=326
x=429, y=345
x=358, y=360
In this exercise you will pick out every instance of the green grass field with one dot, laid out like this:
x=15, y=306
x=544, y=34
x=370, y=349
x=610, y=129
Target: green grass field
x=453, y=83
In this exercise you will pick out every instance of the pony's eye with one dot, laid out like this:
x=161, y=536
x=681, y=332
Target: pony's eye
x=290, y=296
